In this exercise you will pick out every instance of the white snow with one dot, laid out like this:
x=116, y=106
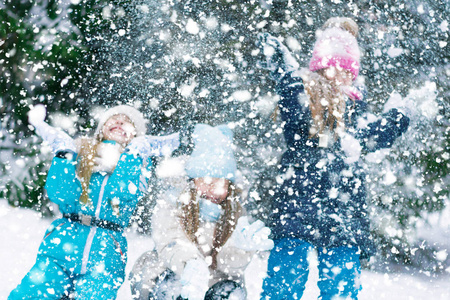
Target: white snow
x=187, y=89
x=242, y=95
x=132, y=188
x=351, y=147
x=192, y=27
x=37, y=114
x=266, y=104
x=21, y=231
x=211, y=23
x=420, y=102
x=394, y=52
x=444, y=26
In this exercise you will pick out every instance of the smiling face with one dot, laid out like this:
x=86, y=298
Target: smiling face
x=119, y=128
x=213, y=189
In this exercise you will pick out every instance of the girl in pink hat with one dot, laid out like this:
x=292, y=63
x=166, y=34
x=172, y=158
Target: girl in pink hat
x=321, y=200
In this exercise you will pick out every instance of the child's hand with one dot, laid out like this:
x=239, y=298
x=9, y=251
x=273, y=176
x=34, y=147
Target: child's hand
x=148, y=145
x=278, y=58
x=251, y=237
x=55, y=137
x=195, y=280
x=37, y=114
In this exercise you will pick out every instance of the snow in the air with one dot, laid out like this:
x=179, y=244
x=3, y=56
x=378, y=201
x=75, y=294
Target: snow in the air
x=180, y=63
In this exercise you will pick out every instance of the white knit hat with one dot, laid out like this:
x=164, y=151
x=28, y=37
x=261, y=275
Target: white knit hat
x=135, y=116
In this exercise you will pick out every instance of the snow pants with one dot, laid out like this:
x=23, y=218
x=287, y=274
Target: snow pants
x=48, y=280
x=73, y=258
x=288, y=268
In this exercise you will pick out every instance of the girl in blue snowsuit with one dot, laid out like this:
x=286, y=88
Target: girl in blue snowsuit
x=321, y=200
x=84, y=253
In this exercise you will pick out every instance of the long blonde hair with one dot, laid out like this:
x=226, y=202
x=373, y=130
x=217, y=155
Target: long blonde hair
x=326, y=99
x=326, y=103
x=88, y=148
x=190, y=219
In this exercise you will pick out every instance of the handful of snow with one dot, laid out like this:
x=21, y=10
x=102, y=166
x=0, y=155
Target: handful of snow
x=37, y=114
x=351, y=147
x=107, y=157
x=251, y=237
x=418, y=103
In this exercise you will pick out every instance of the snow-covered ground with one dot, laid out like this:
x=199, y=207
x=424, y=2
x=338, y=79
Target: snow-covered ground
x=21, y=231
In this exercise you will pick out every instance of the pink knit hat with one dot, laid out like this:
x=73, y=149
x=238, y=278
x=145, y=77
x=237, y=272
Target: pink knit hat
x=336, y=46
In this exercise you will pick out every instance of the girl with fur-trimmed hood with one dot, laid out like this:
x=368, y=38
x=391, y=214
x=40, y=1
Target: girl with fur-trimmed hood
x=97, y=183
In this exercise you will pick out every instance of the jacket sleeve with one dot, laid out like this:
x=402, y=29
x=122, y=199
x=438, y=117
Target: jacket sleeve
x=382, y=132
x=125, y=181
x=62, y=185
x=173, y=246
x=294, y=112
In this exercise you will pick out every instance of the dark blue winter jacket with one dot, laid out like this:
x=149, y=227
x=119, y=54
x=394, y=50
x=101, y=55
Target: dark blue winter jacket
x=322, y=197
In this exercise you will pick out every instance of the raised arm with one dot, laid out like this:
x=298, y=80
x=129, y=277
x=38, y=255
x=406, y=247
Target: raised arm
x=284, y=70
x=382, y=132
x=294, y=109
x=56, y=138
x=62, y=185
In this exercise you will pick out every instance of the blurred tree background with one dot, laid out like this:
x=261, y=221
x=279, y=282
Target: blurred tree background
x=189, y=61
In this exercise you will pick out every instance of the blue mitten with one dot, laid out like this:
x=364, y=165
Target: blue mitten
x=147, y=145
x=56, y=138
x=195, y=279
x=251, y=237
x=278, y=58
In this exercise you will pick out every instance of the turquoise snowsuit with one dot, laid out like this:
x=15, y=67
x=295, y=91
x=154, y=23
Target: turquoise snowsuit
x=88, y=260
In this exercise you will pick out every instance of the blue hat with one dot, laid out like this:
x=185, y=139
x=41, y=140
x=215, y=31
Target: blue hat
x=213, y=155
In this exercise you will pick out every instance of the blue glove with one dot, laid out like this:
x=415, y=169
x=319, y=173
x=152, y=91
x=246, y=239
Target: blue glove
x=251, y=237
x=148, y=145
x=278, y=58
x=56, y=138
x=195, y=280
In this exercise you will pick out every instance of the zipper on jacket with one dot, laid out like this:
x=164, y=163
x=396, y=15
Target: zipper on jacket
x=92, y=230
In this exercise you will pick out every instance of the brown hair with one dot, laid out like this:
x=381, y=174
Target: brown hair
x=344, y=23
x=224, y=226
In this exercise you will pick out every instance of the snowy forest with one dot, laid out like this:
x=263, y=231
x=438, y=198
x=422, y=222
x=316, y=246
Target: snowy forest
x=191, y=61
